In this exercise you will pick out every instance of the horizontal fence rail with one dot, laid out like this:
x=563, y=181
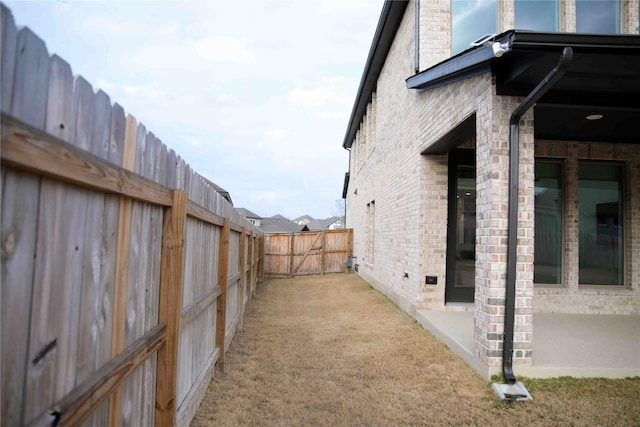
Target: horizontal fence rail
x=125, y=274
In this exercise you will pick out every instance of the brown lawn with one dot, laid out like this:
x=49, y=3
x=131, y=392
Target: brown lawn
x=332, y=351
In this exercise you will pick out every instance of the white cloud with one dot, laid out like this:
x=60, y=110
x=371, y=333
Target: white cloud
x=266, y=196
x=225, y=49
x=271, y=135
x=278, y=134
x=308, y=98
x=327, y=6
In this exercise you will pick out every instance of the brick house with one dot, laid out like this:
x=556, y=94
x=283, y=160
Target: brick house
x=501, y=179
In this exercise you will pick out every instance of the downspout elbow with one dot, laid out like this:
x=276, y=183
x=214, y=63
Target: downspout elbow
x=545, y=84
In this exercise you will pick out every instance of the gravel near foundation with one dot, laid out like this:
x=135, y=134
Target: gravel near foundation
x=332, y=351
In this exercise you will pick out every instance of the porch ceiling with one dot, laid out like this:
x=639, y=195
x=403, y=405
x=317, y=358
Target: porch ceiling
x=603, y=79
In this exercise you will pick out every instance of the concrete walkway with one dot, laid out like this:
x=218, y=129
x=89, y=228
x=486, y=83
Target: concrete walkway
x=563, y=344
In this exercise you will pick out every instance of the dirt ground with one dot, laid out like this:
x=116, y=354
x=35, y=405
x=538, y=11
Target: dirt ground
x=332, y=351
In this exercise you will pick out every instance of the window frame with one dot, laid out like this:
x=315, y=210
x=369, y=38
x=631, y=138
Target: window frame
x=623, y=218
x=452, y=51
x=557, y=17
x=619, y=18
x=563, y=226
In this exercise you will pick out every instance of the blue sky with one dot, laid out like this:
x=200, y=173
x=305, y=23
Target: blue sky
x=254, y=95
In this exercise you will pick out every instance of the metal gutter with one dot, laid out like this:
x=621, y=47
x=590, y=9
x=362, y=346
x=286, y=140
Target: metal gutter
x=512, y=243
x=471, y=63
x=577, y=41
x=390, y=18
x=478, y=60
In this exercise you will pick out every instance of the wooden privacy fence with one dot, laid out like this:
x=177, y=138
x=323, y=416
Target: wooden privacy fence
x=306, y=253
x=125, y=274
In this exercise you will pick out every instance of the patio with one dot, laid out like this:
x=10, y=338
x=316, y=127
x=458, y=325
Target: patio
x=563, y=344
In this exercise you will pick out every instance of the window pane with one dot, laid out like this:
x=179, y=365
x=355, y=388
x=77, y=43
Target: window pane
x=598, y=16
x=466, y=227
x=548, y=223
x=537, y=15
x=601, y=227
x=471, y=19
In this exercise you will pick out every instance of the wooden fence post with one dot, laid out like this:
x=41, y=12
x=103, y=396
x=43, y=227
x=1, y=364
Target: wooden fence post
x=252, y=271
x=243, y=272
x=292, y=255
x=171, y=278
x=261, y=242
x=324, y=242
x=221, y=315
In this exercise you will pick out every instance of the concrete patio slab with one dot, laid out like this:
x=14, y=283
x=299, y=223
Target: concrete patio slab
x=563, y=344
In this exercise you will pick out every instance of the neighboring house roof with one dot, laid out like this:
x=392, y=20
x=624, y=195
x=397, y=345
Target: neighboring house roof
x=224, y=193
x=280, y=224
x=323, y=224
x=247, y=213
x=388, y=24
x=304, y=219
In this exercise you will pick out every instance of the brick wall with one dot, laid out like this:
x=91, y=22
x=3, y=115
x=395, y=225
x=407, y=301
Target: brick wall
x=410, y=193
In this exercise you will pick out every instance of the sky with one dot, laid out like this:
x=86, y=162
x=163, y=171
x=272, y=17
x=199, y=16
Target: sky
x=255, y=95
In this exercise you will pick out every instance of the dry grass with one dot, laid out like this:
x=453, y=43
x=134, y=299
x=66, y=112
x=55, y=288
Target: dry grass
x=333, y=351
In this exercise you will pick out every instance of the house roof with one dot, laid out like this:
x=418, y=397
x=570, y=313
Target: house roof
x=303, y=218
x=280, y=224
x=603, y=78
x=247, y=213
x=390, y=18
x=224, y=193
x=322, y=224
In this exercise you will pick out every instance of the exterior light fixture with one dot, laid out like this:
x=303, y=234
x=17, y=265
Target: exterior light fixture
x=499, y=49
x=594, y=117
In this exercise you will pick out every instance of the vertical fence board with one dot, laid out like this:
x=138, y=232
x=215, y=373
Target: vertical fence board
x=19, y=216
x=170, y=306
x=122, y=266
x=8, y=40
x=29, y=104
x=106, y=295
x=90, y=313
x=60, y=102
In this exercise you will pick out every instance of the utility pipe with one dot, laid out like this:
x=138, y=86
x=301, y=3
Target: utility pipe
x=512, y=237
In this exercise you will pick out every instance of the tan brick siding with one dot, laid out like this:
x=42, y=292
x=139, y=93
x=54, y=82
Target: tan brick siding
x=410, y=192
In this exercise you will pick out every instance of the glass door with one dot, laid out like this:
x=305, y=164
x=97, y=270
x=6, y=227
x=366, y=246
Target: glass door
x=461, y=229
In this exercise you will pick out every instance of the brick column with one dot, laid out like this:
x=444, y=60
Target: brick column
x=492, y=186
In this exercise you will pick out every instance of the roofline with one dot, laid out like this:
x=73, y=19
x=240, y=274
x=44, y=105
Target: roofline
x=388, y=23
x=477, y=60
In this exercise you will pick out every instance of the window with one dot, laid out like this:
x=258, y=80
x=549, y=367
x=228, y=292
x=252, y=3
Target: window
x=536, y=15
x=601, y=224
x=371, y=216
x=548, y=223
x=471, y=19
x=598, y=16
x=599, y=230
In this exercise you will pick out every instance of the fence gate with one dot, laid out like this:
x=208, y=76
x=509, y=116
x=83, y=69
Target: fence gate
x=306, y=253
